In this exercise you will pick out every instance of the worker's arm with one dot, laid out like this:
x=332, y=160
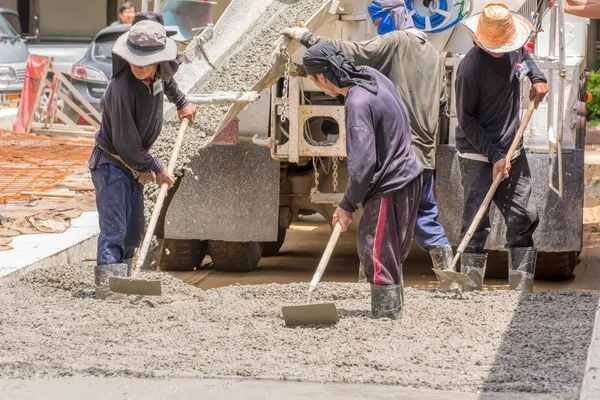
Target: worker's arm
x=539, y=86
x=375, y=53
x=467, y=93
x=361, y=156
x=581, y=8
x=125, y=135
x=185, y=109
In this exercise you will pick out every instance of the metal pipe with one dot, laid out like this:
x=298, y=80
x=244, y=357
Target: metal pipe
x=144, y=5
x=156, y=5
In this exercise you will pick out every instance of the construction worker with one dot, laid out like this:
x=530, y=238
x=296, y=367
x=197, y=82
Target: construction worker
x=144, y=62
x=384, y=172
x=125, y=13
x=403, y=54
x=488, y=107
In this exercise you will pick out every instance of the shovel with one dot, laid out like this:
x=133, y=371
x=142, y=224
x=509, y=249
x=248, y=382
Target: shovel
x=315, y=314
x=142, y=286
x=490, y=194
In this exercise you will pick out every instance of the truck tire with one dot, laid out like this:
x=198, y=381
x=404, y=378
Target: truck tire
x=550, y=266
x=235, y=256
x=556, y=266
x=271, y=249
x=182, y=255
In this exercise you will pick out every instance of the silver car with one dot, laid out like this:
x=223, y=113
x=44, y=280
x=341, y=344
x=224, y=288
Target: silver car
x=13, y=60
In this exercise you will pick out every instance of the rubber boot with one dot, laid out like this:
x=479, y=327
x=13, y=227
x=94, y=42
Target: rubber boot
x=101, y=275
x=386, y=301
x=441, y=257
x=521, y=268
x=129, y=262
x=473, y=265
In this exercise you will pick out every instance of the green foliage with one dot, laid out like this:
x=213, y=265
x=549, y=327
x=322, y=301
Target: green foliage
x=593, y=86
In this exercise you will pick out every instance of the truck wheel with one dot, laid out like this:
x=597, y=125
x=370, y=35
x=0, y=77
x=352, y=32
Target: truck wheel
x=235, y=256
x=182, y=255
x=550, y=266
x=271, y=249
x=555, y=266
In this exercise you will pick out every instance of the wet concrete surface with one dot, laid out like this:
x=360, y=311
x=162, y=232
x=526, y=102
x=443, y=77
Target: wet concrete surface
x=306, y=240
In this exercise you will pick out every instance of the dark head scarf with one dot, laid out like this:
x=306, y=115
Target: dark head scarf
x=393, y=14
x=168, y=68
x=325, y=59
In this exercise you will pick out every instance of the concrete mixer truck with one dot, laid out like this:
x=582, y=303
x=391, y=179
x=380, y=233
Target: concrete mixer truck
x=271, y=161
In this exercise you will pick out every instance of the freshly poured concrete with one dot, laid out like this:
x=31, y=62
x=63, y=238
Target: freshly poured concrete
x=52, y=326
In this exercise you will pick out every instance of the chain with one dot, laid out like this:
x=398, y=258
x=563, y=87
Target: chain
x=335, y=174
x=316, y=168
x=286, y=83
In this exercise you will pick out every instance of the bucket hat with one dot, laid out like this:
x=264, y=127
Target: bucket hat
x=497, y=29
x=145, y=43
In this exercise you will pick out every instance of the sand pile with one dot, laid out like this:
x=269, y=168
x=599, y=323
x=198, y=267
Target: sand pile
x=51, y=325
x=239, y=72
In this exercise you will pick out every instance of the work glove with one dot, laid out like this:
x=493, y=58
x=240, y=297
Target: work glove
x=295, y=33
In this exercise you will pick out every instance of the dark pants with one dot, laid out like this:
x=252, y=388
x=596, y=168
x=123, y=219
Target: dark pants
x=385, y=233
x=120, y=203
x=429, y=233
x=513, y=199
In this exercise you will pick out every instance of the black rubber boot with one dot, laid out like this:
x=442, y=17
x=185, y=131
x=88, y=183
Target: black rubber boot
x=441, y=257
x=473, y=265
x=386, y=301
x=101, y=275
x=521, y=268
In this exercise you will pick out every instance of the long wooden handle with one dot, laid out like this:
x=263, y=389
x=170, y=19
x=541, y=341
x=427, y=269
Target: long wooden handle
x=161, y=198
x=490, y=194
x=337, y=230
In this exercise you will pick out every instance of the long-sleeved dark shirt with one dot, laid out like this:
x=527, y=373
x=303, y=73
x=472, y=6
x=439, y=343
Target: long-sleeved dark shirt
x=488, y=101
x=380, y=157
x=132, y=117
x=417, y=71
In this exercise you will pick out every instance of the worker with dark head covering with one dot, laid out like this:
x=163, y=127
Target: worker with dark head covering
x=383, y=171
x=403, y=55
x=144, y=62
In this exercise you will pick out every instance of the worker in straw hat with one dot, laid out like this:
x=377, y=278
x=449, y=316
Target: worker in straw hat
x=384, y=173
x=396, y=53
x=144, y=62
x=488, y=104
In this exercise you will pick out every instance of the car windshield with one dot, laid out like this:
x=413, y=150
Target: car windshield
x=6, y=31
x=103, y=46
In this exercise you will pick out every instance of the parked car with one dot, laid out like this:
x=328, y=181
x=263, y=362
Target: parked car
x=92, y=73
x=13, y=61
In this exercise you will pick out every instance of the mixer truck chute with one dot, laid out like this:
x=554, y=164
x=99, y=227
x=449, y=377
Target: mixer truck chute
x=283, y=165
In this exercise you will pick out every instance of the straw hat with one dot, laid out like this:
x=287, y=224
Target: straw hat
x=497, y=29
x=146, y=43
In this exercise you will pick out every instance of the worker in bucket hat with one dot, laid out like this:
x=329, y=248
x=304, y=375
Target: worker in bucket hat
x=488, y=82
x=396, y=53
x=144, y=62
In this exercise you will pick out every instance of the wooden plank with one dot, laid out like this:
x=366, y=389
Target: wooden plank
x=66, y=119
x=49, y=194
x=38, y=97
x=79, y=111
x=78, y=95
